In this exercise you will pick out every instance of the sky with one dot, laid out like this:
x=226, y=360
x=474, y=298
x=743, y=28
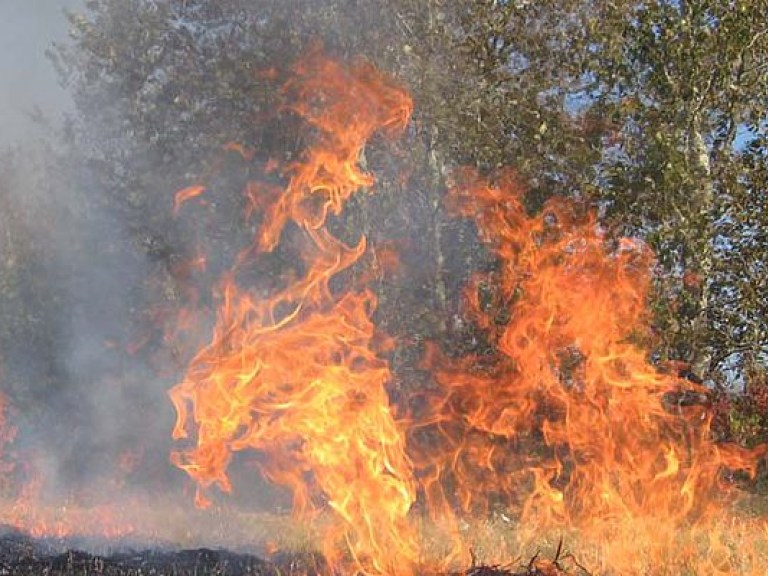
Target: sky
x=27, y=78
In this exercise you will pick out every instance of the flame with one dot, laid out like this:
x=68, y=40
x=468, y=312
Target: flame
x=30, y=513
x=294, y=376
x=563, y=424
x=570, y=422
x=237, y=148
x=21, y=500
x=185, y=195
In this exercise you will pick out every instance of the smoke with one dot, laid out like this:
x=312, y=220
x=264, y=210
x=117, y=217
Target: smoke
x=30, y=92
x=95, y=280
x=73, y=300
x=92, y=416
x=89, y=281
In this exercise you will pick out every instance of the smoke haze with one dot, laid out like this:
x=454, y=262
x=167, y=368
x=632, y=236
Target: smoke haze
x=85, y=395
x=68, y=262
x=29, y=86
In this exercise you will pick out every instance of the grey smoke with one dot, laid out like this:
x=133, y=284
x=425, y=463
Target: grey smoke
x=81, y=405
x=29, y=87
x=80, y=401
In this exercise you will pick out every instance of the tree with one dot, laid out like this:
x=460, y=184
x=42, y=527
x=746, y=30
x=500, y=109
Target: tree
x=652, y=112
x=686, y=93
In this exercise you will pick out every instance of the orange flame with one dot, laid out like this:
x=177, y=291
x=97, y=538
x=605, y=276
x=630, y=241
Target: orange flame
x=610, y=452
x=185, y=195
x=294, y=376
x=564, y=425
x=21, y=501
x=30, y=513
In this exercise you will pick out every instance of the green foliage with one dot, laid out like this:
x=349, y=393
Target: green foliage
x=653, y=112
x=743, y=418
x=671, y=98
x=686, y=93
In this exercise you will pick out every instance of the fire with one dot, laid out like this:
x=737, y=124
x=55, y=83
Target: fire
x=22, y=503
x=29, y=512
x=563, y=424
x=569, y=421
x=185, y=195
x=294, y=375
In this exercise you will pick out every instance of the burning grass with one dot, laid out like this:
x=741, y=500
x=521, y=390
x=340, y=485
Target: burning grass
x=20, y=555
x=560, y=431
x=564, y=425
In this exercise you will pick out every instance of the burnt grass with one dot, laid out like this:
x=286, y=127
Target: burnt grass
x=21, y=555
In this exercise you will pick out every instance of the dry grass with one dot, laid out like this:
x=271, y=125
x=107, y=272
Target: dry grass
x=736, y=544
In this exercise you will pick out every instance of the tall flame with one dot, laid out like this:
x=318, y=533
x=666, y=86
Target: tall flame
x=564, y=423
x=294, y=375
x=571, y=420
